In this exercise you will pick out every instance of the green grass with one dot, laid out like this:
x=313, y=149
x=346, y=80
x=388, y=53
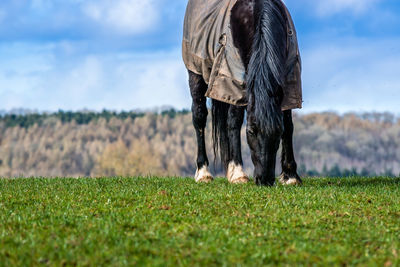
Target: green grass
x=161, y=221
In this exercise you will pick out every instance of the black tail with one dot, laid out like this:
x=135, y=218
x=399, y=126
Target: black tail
x=265, y=76
x=220, y=137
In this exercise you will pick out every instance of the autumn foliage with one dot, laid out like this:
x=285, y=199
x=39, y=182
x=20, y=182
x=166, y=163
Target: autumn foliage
x=133, y=144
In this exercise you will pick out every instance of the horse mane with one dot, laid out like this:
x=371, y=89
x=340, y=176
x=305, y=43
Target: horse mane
x=265, y=76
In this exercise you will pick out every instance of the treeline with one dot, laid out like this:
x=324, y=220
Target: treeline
x=163, y=143
x=81, y=117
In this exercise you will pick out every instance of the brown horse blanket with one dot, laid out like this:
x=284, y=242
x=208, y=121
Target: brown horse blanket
x=208, y=50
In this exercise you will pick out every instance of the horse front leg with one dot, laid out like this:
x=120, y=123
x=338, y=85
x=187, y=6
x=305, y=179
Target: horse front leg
x=289, y=174
x=198, y=89
x=235, y=173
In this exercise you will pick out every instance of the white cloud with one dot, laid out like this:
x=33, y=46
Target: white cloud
x=124, y=16
x=165, y=82
x=355, y=75
x=78, y=84
x=341, y=75
x=115, y=81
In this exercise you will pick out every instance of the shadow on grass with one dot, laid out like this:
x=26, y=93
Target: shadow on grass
x=352, y=181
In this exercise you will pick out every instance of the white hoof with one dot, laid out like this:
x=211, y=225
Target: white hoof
x=203, y=175
x=290, y=181
x=236, y=175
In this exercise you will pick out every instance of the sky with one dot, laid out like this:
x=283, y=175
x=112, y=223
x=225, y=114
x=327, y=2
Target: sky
x=125, y=54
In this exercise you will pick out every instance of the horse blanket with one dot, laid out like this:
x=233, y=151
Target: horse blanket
x=208, y=50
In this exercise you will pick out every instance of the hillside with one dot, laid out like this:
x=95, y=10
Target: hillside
x=129, y=144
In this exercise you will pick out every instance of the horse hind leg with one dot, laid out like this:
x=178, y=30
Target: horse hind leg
x=289, y=174
x=199, y=112
x=235, y=173
x=242, y=26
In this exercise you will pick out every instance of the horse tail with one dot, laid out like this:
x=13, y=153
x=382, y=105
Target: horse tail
x=265, y=76
x=220, y=137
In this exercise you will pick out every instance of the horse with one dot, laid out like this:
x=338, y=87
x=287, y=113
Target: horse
x=257, y=31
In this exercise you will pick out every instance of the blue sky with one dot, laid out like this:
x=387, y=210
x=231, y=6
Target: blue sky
x=125, y=54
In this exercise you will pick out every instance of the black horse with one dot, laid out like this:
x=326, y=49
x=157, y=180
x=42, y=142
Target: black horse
x=259, y=33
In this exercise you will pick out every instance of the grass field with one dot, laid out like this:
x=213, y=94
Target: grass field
x=161, y=221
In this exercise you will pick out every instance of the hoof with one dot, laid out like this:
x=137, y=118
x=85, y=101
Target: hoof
x=203, y=175
x=240, y=180
x=290, y=180
x=236, y=175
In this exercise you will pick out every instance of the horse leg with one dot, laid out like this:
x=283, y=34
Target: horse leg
x=289, y=174
x=198, y=89
x=235, y=173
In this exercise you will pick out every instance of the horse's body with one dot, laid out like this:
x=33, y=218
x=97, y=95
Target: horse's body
x=258, y=38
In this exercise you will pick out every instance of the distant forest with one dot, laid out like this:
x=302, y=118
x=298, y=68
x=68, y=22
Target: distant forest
x=93, y=144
